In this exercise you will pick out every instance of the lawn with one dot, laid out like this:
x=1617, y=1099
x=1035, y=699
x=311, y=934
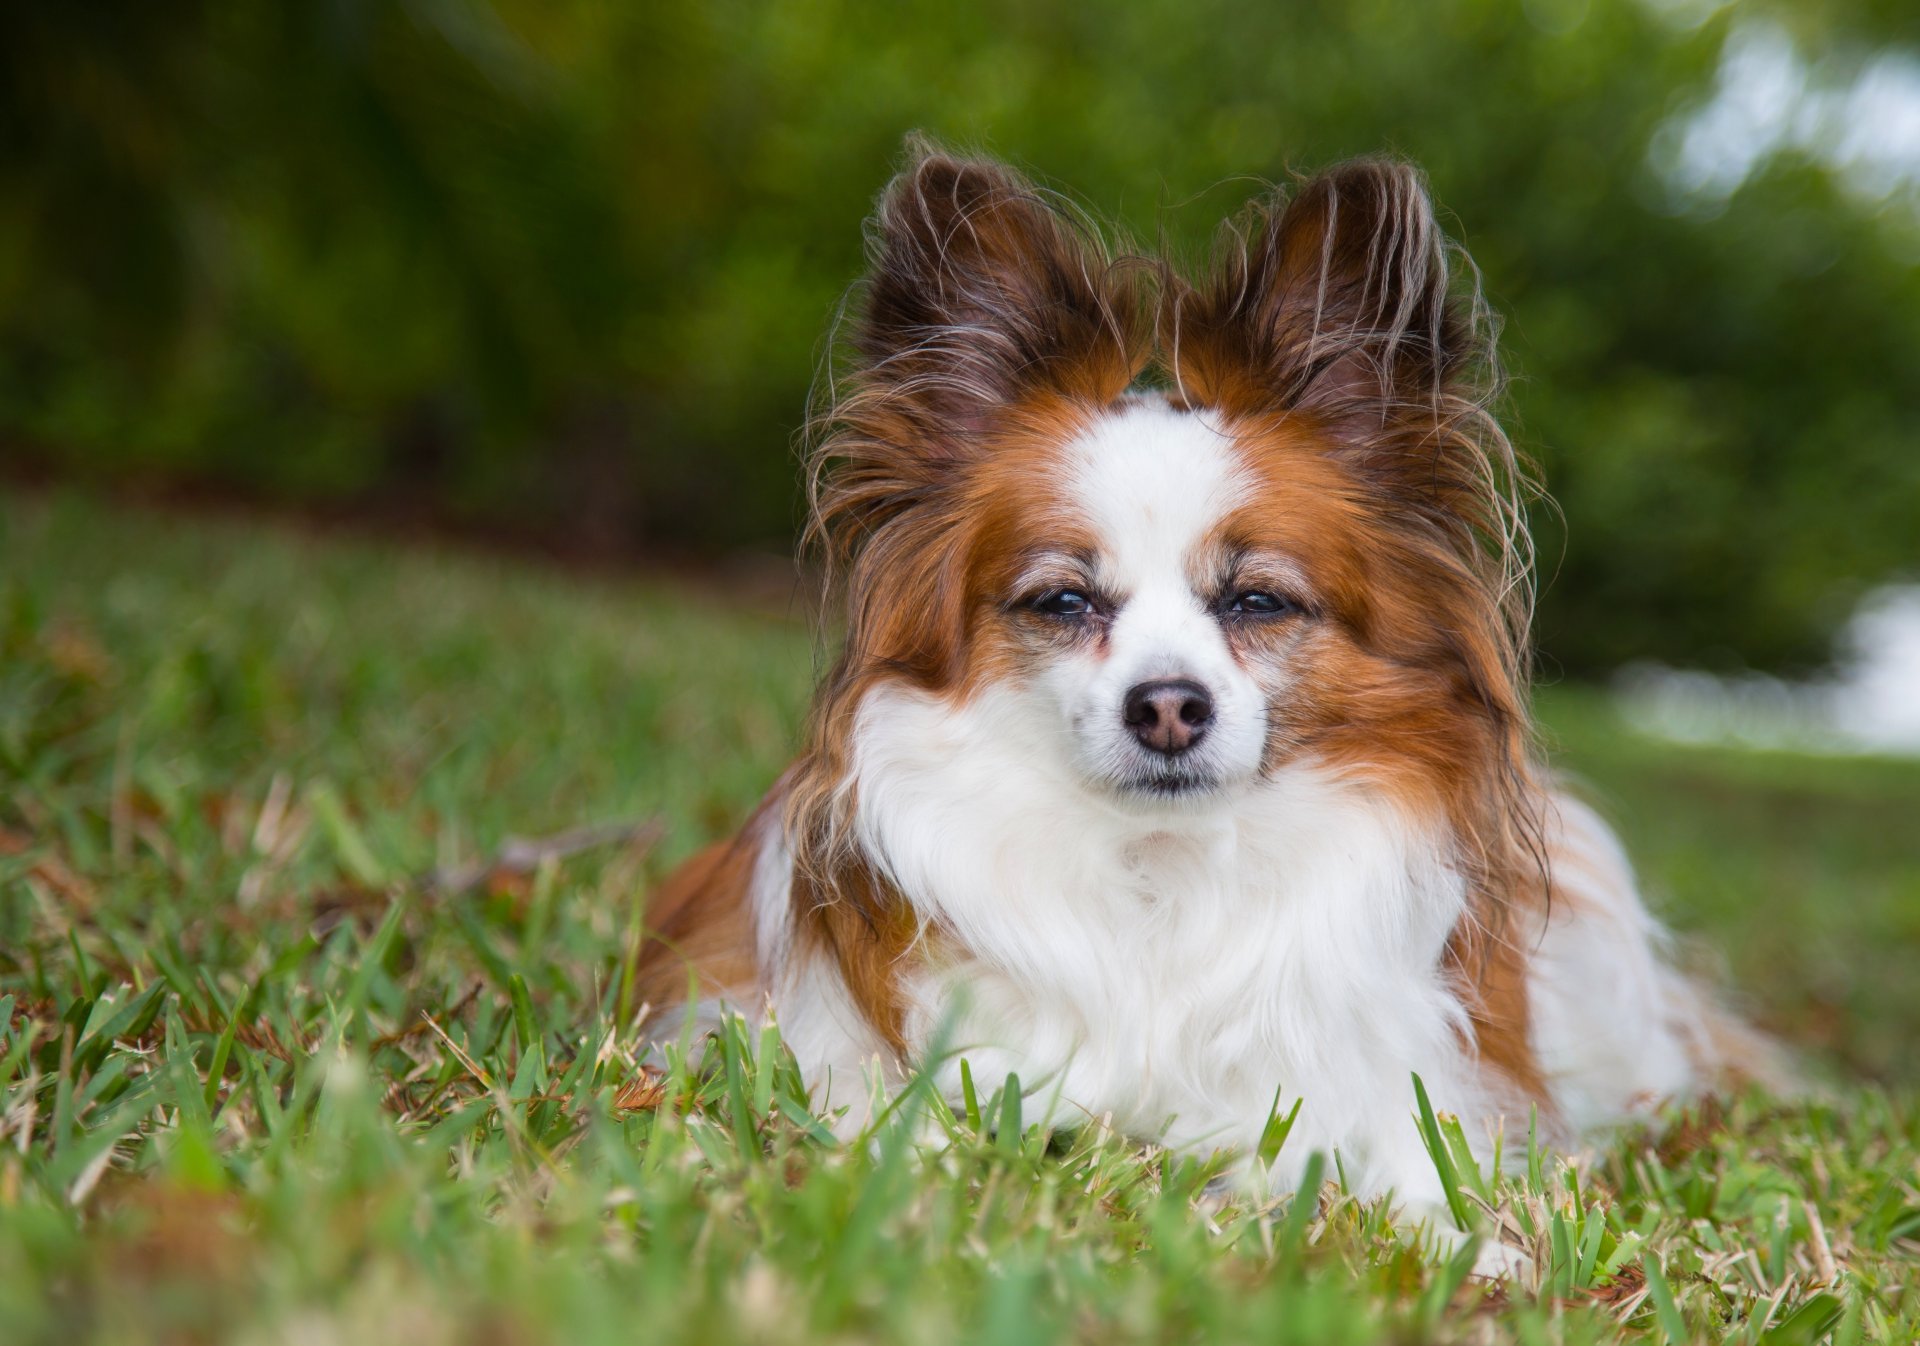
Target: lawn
x=295, y=1047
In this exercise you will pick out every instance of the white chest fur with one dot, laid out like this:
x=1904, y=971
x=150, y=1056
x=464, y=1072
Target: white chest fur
x=1170, y=964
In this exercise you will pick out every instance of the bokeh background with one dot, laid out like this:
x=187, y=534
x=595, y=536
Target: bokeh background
x=486, y=282
x=558, y=271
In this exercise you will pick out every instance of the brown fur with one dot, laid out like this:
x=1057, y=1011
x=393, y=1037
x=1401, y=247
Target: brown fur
x=699, y=931
x=866, y=928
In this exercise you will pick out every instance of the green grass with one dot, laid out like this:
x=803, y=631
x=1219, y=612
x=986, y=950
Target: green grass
x=263, y=1080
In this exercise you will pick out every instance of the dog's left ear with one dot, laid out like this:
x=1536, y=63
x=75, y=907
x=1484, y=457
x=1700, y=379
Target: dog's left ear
x=1334, y=302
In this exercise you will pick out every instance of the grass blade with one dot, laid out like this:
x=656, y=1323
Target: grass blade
x=1437, y=1150
x=1274, y=1134
x=1666, y=1311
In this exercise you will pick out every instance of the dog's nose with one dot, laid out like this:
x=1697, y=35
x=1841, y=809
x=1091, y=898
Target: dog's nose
x=1168, y=715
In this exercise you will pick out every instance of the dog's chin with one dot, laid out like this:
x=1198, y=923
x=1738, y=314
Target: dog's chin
x=1181, y=788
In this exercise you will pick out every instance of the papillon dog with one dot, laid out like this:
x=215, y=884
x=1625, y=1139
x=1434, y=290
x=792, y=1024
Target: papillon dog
x=1179, y=760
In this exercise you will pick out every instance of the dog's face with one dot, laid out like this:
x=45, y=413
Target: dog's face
x=1281, y=556
x=1124, y=608
x=1181, y=603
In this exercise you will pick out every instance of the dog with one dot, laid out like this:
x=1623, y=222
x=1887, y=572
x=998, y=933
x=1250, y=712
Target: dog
x=1179, y=758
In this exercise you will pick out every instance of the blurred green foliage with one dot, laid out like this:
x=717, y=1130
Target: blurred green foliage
x=561, y=268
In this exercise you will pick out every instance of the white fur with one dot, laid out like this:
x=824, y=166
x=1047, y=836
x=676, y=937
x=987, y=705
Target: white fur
x=1174, y=972
x=1174, y=962
x=1615, y=1026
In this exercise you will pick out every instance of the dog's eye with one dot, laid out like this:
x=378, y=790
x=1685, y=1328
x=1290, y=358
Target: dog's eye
x=1260, y=603
x=1064, y=603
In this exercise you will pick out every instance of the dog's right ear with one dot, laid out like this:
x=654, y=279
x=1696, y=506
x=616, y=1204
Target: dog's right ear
x=981, y=292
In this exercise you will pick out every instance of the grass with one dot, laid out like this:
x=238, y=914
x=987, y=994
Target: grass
x=264, y=1078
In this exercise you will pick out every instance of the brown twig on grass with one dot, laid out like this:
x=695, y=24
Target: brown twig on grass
x=522, y=856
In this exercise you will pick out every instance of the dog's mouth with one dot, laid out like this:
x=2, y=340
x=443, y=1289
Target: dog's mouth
x=1185, y=784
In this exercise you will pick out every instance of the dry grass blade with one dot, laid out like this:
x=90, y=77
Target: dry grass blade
x=645, y=1092
x=473, y=1067
x=522, y=856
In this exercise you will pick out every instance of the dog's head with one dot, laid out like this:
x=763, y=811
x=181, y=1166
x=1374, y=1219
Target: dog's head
x=1193, y=531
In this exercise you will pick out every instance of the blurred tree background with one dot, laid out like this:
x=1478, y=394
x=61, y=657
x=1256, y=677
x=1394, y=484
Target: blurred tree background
x=560, y=269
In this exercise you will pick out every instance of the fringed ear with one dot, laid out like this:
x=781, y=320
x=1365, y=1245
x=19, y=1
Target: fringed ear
x=1338, y=305
x=1335, y=302
x=981, y=295
x=980, y=291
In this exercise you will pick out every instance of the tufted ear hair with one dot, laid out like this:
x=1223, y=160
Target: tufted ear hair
x=1335, y=302
x=980, y=291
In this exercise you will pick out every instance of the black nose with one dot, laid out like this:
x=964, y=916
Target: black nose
x=1168, y=715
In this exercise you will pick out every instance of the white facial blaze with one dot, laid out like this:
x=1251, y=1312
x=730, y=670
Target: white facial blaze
x=1156, y=483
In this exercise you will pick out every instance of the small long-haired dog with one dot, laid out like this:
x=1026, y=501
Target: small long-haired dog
x=1180, y=748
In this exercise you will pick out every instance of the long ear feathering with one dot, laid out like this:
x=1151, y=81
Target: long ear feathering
x=984, y=295
x=980, y=289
